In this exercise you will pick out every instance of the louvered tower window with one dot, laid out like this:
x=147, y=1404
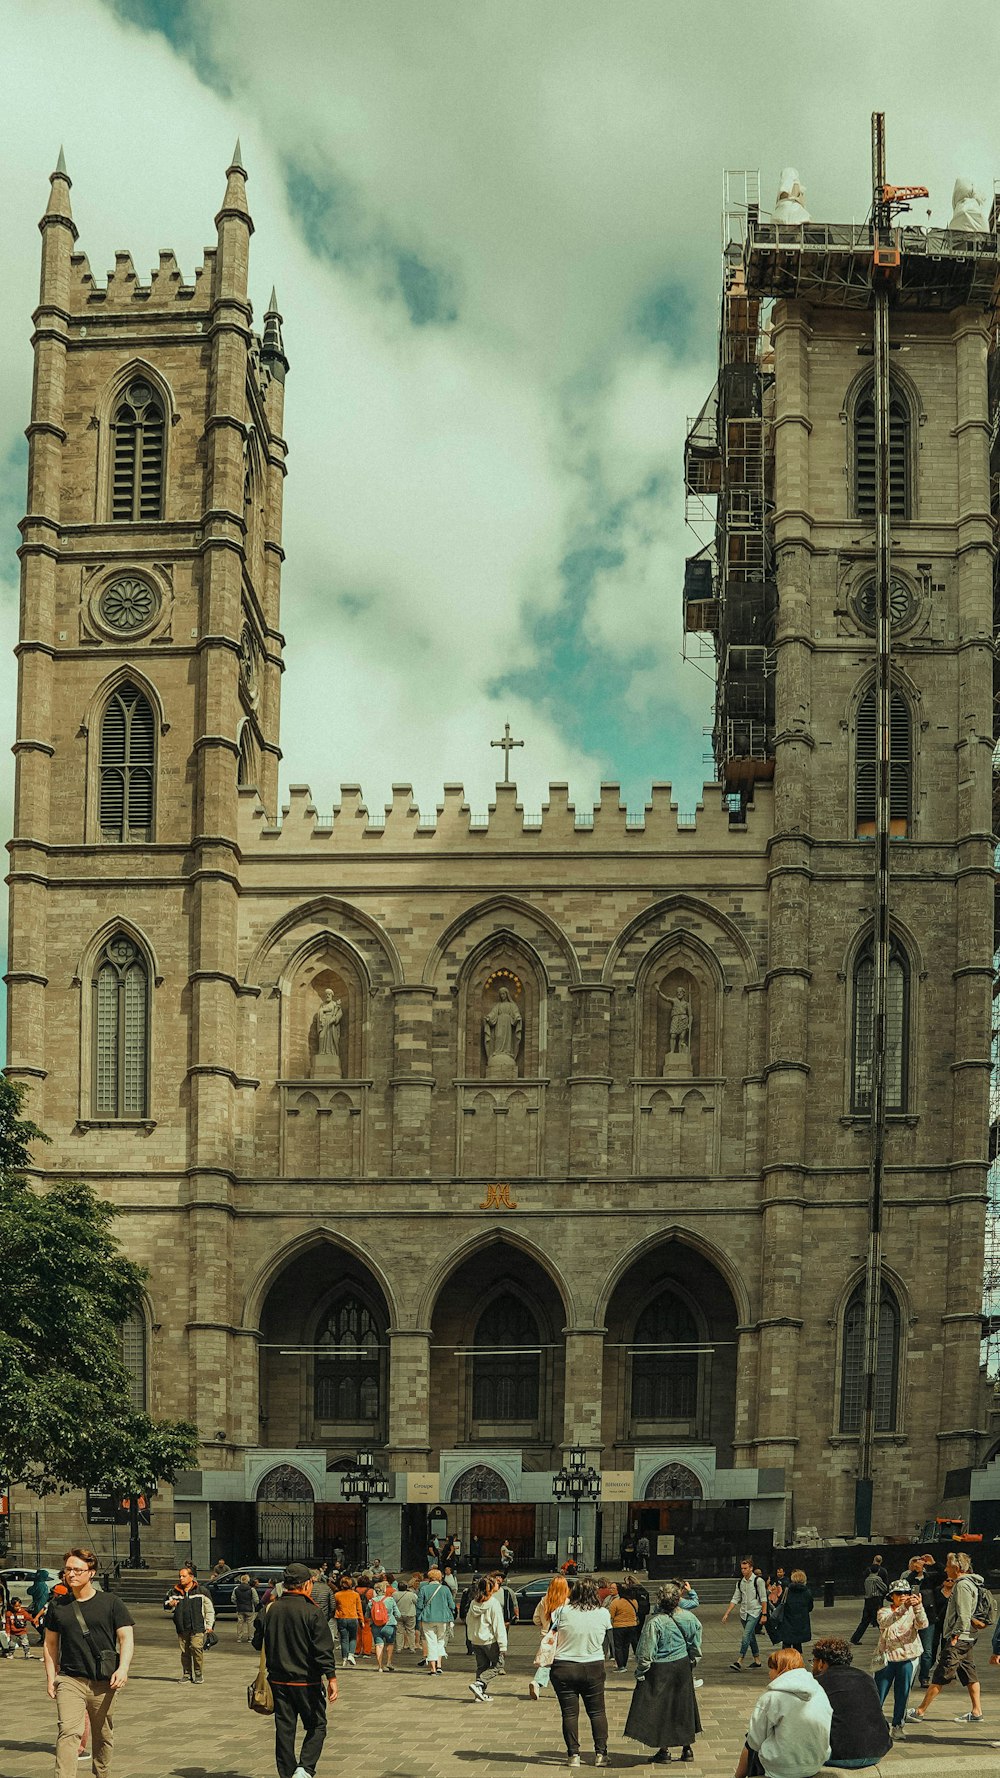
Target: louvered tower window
x=126, y=769
x=505, y=1369
x=897, y=1012
x=900, y=765
x=900, y=496
x=137, y=455
x=134, y=1358
x=852, y=1380
x=121, y=1031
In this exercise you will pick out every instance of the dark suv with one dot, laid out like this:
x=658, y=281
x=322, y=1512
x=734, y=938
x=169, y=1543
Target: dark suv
x=262, y=1575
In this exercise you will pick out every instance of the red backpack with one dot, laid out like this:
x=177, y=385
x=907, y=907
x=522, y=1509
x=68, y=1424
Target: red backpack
x=379, y=1612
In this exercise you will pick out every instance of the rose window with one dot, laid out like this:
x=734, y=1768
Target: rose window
x=128, y=605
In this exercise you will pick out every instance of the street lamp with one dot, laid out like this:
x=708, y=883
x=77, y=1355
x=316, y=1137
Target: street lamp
x=364, y=1483
x=576, y=1482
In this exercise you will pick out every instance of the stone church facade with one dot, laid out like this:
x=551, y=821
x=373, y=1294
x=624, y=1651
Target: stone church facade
x=470, y=1144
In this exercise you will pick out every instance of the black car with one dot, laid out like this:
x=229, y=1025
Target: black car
x=528, y=1596
x=262, y=1575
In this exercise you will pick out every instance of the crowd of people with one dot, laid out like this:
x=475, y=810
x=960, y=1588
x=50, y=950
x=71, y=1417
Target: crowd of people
x=808, y=1716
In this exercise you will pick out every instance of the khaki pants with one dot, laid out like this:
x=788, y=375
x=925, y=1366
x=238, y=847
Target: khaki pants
x=244, y=1626
x=192, y=1654
x=76, y=1699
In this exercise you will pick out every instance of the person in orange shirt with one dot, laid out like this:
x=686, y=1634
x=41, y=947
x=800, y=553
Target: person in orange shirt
x=349, y=1617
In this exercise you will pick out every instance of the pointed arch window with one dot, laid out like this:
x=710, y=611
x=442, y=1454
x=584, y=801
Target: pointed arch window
x=134, y=1358
x=138, y=436
x=664, y=1375
x=506, y=1365
x=246, y=770
x=348, y=1378
x=900, y=466
x=852, y=1381
x=866, y=765
x=897, y=1030
x=128, y=746
x=121, y=1031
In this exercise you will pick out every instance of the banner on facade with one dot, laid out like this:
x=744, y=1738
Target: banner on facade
x=617, y=1484
x=423, y=1487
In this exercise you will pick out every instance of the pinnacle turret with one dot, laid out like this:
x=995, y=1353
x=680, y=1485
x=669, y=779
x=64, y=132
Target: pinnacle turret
x=235, y=201
x=272, y=349
x=59, y=209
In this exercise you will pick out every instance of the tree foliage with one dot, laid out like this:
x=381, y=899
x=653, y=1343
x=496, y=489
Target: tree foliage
x=66, y=1418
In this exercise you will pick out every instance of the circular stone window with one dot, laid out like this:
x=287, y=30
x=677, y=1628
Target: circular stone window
x=128, y=605
x=902, y=604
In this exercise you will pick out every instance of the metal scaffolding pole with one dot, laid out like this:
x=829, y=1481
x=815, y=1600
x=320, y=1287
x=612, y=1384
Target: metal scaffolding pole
x=882, y=243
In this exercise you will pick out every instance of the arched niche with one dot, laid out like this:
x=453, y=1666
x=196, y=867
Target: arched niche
x=480, y=1484
x=679, y=1012
x=326, y=1018
x=674, y=1481
x=501, y=999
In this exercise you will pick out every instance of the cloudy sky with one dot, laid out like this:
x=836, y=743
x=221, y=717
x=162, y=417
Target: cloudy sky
x=494, y=229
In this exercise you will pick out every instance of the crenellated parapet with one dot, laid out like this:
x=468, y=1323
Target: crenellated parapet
x=124, y=291
x=401, y=824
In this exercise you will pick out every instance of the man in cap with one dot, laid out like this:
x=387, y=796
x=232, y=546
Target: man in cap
x=302, y=1671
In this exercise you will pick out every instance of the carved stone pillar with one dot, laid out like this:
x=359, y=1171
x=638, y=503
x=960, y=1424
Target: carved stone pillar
x=412, y=1079
x=584, y=1380
x=590, y=1081
x=409, y=1397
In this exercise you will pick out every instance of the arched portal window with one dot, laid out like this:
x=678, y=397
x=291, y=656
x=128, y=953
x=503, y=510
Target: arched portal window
x=664, y=1374
x=886, y=1366
x=866, y=766
x=865, y=469
x=127, y=763
x=134, y=1358
x=896, y=1034
x=505, y=1369
x=138, y=436
x=121, y=1031
x=349, y=1364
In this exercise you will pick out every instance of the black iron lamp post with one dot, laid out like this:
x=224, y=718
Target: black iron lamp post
x=364, y=1483
x=577, y=1482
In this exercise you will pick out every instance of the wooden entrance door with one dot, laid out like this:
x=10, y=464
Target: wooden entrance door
x=491, y=1524
x=339, y=1526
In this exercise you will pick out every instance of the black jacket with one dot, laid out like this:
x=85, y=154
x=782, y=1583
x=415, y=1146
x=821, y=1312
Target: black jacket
x=798, y=1603
x=297, y=1643
x=193, y=1611
x=858, y=1730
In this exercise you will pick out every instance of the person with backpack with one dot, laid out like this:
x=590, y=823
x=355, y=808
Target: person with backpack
x=750, y=1597
x=486, y=1634
x=246, y=1600
x=383, y=1617
x=971, y=1608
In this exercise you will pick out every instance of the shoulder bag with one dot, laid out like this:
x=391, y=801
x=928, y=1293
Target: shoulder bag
x=260, y=1698
x=105, y=1659
x=549, y=1642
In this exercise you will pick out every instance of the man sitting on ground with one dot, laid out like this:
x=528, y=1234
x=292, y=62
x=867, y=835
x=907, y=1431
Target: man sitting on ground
x=859, y=1735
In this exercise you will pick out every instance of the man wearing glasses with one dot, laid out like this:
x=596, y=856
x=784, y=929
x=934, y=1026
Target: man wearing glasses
x=88, y=1652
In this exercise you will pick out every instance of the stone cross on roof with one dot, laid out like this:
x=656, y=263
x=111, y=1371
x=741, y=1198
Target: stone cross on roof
x=506, y=743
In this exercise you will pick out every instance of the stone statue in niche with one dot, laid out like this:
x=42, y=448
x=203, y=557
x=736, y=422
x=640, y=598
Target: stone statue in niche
x=326, y=1026
x=503, y=1027
x=678, y=1003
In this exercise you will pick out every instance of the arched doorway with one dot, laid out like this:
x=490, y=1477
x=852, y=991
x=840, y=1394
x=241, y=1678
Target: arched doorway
x=285, y=1502
x=492, y=1517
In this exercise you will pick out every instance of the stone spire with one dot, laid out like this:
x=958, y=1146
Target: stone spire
x=59, y=207
x=272, y=350
x=234, y=204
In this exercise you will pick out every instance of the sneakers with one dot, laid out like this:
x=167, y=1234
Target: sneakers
x=736, y=1666
x=687, y=1753
x=898, y=1732
x=970, y=1717
x=698, y=1684
x=600, y=1759
x=532, y=1689
x=573, y=1761
x=475, y=1687
x=350, y=1661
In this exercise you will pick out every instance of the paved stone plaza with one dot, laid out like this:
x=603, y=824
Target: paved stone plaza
x=412, y=1726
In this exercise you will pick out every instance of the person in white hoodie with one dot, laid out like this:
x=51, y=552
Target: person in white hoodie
x=486, y=1634
x=788, y=1735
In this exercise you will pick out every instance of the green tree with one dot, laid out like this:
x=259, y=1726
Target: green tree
x=66, y=1418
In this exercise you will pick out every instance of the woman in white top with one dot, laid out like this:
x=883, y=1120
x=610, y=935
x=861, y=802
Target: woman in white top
x=578, y=1669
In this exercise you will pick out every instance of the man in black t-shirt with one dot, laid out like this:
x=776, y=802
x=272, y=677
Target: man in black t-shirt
x=86, y=1634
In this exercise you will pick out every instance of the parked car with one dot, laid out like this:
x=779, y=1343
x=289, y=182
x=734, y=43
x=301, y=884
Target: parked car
x=527, y=1597
x=262, y=1575
x=19, y=1581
